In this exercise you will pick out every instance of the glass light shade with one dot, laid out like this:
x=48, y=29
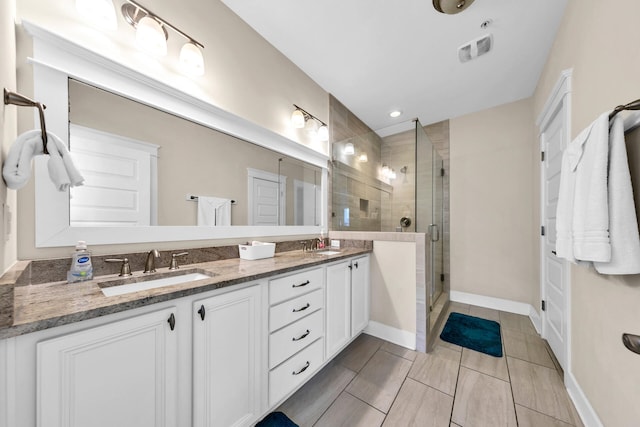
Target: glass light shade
x=99, y=12
x=349, y=149
x=385, y=171
x=323, y=133
x=191, y=60
x=150, y=37
x=311, y=127
x=363, y=158
x=297, y=119
x=392, y=174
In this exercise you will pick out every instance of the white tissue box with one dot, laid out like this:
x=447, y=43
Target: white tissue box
x=257, y=250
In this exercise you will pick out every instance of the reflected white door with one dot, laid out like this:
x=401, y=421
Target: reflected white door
x=267, y=198
x=553, y=138
x=119, y=186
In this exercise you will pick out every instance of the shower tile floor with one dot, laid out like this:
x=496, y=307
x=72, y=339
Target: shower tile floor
x=376, y=383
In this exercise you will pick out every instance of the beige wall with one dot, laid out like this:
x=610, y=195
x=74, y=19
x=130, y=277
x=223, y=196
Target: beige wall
x=244, y=75
x=599, y=40
x=393, y=284
x=492, y=215
x=8, y=123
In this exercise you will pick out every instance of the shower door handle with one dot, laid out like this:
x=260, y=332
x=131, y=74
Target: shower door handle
x=435, y=232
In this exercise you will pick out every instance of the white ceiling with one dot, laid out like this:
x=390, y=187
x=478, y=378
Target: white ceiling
x=379, y=55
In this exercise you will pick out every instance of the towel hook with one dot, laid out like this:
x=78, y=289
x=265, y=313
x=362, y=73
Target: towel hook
x=633, y=105
x=22, y=101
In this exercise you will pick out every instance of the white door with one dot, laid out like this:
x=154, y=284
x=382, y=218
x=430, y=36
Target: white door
x=120, y=374
x=306, y=203
x=338, y=308
x=119, y=187
x=267, y=198
x=227, y=359
x=553, y=139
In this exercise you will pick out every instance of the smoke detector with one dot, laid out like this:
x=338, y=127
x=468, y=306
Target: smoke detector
x=475, y=48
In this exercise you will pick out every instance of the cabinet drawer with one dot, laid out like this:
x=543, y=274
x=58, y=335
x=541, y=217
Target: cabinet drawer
x=288, y=341
x=294, y=371
x=292, y=310
x=294, y=285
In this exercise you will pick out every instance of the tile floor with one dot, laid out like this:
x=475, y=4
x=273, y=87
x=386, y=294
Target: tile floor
x=376, y=383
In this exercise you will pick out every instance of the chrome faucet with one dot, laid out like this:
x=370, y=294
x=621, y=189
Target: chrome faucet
x=150, y=265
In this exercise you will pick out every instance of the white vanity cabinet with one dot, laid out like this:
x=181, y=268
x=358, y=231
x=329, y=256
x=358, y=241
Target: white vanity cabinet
x=347, y=302
x=296, y=330
x=228, y=358
x=110, y=375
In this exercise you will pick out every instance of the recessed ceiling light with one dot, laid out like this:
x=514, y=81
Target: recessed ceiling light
x=395, y=113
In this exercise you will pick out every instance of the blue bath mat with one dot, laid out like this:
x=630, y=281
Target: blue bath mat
x=276, y=419
x=473, y=332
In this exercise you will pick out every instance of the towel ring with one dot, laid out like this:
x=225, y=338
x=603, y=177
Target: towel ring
x=22, y=101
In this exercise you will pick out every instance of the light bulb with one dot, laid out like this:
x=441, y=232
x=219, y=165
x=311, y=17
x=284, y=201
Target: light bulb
x=311, y=128
x=100, y=12
x=297, y=119
x=323, y=133
x=150, y=36
x=191, y=60
x=363, y=158
x=349, y=149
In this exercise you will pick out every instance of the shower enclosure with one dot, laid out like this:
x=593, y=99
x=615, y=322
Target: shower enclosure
x=397, y=184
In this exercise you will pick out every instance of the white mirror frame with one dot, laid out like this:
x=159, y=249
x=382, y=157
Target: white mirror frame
x=55, y=59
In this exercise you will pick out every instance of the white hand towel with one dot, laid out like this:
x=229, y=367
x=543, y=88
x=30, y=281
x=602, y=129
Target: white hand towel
x=623, y=223
x=579, y=224
x=62, y=171
x=214, y=211
x=583, y=214
x=17, y=167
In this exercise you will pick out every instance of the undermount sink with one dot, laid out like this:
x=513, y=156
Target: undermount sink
x=142, y=283
x=328, y=252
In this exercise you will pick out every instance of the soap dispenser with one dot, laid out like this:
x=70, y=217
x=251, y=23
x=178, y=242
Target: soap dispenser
x=81, y=268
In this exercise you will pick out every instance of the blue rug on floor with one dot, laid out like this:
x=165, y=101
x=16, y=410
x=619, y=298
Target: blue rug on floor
x=276, y=419
x=473, y=332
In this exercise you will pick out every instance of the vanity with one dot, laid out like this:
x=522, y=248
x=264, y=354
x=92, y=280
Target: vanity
x=219, y=351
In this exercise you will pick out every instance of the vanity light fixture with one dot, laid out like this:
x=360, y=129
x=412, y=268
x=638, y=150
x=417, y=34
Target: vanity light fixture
x=151, y=36
x=385, y=170
x=349, y=149
x=363, y=158
x=392, y=174
x=300, y=118
x=100, y=12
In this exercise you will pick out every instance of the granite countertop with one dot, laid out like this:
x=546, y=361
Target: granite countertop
x=47, y=305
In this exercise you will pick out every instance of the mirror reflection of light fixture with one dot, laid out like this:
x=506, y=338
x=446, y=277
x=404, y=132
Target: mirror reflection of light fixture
x=100, y=12
x=385, y=170
x=300, y=118
x=403, y=169
x=392, y=174
x=363, y=158
x=151, y=36
x=349, y=149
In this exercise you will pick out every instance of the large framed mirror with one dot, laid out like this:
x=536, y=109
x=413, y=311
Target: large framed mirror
x=189, y=152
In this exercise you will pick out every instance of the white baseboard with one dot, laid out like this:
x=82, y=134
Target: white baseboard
x=535, y=319
x=584, y=408
x=491, y=302
x=389, y=333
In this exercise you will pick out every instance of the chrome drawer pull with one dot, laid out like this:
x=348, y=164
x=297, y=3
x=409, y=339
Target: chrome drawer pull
x=297, y=310
x=302, y=370
x=301, y=284
x=301, y=336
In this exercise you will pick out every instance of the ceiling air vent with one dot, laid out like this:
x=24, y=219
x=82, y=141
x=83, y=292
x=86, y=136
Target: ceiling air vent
x=475, y=48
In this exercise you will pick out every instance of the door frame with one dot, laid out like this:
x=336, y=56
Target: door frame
x=560, y=98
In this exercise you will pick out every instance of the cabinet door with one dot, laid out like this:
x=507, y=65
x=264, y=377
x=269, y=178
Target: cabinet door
x=359, y=294
x=338, y=309
x=227, y=359
x=119, y=374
